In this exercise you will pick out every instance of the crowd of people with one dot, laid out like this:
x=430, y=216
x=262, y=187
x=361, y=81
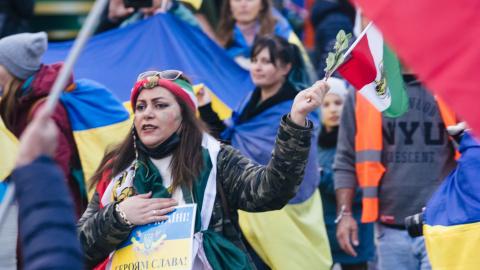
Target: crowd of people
x=310, y=157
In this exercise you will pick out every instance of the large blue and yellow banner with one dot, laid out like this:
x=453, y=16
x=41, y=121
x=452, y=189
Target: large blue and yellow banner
x=164, y=245
x=115, y=58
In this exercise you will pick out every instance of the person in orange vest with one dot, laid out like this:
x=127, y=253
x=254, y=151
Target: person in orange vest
x=398, y=163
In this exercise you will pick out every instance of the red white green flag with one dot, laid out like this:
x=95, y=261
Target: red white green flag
x=373, y=69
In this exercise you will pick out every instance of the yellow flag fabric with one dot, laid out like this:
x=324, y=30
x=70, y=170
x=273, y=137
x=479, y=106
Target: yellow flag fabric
x=91, y=144
x=98, y=121
x=452, y=219
x=9, y=149
x=273, y=234
x=218, y=106
x=194, y=3
x=453, y=247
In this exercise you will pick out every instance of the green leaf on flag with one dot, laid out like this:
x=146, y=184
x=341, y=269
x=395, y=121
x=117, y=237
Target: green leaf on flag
x=394, y=78
x=336, y=58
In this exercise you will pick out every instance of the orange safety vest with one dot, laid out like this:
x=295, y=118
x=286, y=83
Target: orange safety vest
x=368, y=151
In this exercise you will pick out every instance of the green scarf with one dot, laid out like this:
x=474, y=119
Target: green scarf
x=221, y=253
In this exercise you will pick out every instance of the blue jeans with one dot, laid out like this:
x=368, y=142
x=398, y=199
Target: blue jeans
x=397, y=250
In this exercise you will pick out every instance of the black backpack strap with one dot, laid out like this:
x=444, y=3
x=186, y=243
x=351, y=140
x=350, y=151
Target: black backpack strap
x=229, y=229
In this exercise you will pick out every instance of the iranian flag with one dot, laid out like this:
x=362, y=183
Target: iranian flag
x=373, y=69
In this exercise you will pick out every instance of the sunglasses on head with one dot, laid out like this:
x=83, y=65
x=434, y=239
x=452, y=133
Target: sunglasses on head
x=170, y=74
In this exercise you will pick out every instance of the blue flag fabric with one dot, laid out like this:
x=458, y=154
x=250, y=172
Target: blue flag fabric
x=457, y=200
x=255, y=139
x=91, y=106
x=452, y=216
x=98, y=121
x=116, y=57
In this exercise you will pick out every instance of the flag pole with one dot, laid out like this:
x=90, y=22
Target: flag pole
x=357, y=40
x=347, y=53
x=7, y=201
x=86, y=31
x=59, y=84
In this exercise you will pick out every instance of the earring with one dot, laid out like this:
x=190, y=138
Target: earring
x=135, y=149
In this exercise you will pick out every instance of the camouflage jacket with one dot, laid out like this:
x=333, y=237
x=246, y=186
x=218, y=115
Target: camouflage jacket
x=247, y=186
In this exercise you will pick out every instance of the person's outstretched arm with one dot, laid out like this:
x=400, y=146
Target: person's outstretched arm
x=253, y=187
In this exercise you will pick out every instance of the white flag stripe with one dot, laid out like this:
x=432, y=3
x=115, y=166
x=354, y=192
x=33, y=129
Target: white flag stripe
x=375, y=43
x=379, y=102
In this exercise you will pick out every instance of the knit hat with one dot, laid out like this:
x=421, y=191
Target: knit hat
x=21, y=54
x=179, y=87
x=337, y=87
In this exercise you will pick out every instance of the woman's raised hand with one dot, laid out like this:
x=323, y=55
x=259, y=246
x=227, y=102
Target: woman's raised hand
x=141, y=209
x=117, y=10
x=203, y=97
x=307, y=101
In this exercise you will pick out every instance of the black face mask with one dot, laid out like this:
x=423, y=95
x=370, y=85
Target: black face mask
x=328, y=139
x=162, y=150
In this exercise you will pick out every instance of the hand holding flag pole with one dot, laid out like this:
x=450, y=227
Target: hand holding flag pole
x=335, y=59
x=86, y=31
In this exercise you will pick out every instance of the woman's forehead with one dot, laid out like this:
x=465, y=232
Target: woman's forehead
x=156, y=92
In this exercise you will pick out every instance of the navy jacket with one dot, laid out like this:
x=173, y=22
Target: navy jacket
x=46, y=217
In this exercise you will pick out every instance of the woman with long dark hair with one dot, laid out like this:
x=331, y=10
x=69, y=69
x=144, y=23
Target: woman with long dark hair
x=169, y=160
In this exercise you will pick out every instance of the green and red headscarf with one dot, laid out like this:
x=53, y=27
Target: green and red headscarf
x=179, y=88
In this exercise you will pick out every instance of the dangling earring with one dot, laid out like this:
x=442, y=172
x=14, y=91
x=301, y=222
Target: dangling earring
x=135, y=149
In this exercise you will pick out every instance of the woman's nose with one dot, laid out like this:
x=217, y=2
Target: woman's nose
x=148, y=113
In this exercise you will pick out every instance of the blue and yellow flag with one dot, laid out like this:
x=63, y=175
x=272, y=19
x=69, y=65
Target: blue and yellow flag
x=98, y=120
x=9, y=148
x=115, y=58
x=452, y=216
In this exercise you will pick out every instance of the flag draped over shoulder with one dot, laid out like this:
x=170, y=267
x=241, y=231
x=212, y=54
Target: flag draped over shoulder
x=255, y=138
x=452, y=216
x=439, y=41
x=373, y=69
x=298, y=224
x=9, y=148
x=115, y=58
x=98, y=121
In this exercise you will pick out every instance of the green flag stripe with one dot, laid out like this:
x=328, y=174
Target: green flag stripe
x=393, y=75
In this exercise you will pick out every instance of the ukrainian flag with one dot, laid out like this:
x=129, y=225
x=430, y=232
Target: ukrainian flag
x=98, y=120
x=9, y=147
x=115, y=58
x=452, y=216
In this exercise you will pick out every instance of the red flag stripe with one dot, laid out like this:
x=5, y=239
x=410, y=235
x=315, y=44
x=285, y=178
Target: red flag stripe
x=439, y=40
x=359, y=70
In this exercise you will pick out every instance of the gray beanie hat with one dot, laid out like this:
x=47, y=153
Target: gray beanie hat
x=21, y=54
x=337, y=87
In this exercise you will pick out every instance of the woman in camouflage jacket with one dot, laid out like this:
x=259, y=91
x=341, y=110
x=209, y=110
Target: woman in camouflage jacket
x=138, y=182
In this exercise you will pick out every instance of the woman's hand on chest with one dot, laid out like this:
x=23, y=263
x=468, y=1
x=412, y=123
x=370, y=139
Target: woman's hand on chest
x=141, y=209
